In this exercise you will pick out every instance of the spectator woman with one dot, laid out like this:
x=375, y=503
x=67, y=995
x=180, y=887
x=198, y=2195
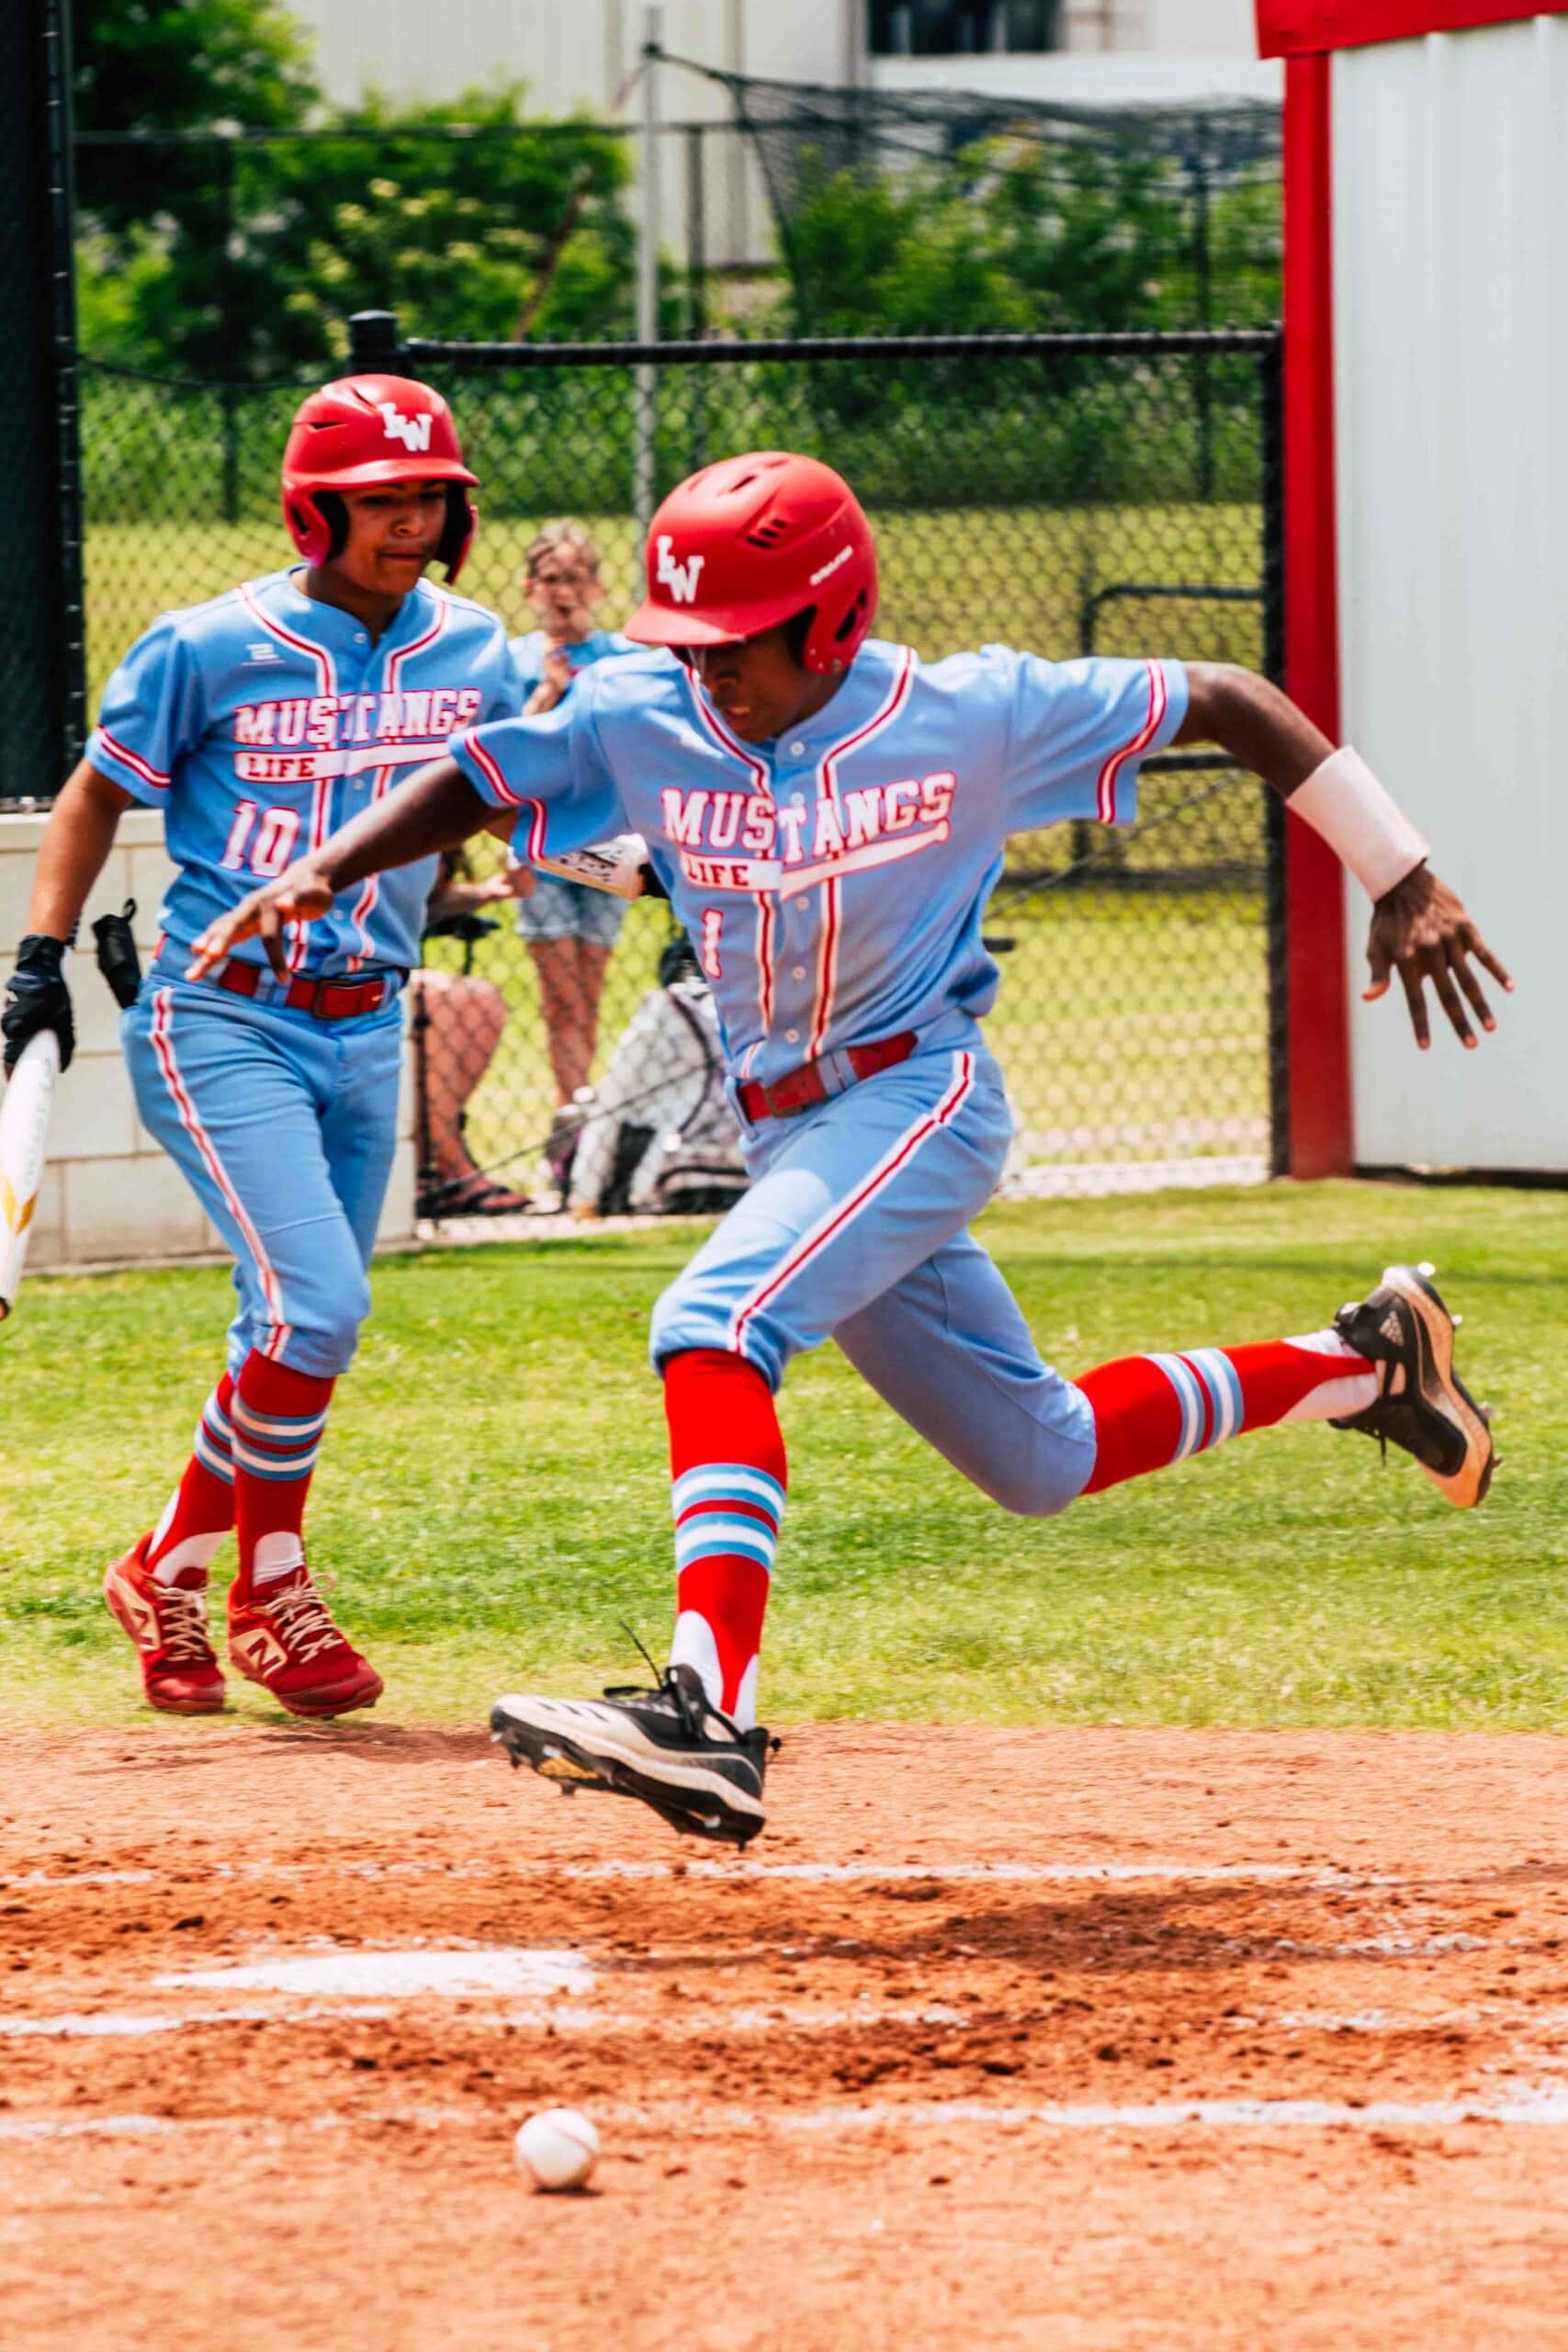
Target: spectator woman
x=570, y=930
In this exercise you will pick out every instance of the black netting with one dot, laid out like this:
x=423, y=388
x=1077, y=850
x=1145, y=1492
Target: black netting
x=1096, y=216
x=1082, y=495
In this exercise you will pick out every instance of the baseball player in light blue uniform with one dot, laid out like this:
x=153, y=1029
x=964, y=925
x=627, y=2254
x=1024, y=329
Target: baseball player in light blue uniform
x=257, y=723
x=827, y=814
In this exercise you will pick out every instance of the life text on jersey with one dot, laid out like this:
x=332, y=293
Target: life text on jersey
x=300, y=737
x=739, y=841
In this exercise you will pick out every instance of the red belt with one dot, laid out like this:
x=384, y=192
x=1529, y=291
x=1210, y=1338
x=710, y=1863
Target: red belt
x=328, y=1000
x=798, y=1090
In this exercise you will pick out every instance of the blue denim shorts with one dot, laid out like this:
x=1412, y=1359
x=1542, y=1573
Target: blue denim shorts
x=560, y=910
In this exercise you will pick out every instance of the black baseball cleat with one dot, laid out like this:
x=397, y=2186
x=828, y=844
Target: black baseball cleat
x=1422, y=1405
x=668, y=1747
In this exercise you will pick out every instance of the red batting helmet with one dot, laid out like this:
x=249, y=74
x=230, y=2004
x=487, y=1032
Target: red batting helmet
x=753, y=541
x=361, y=431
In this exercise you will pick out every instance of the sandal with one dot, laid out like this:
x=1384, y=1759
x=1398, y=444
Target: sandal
x=472, y=1195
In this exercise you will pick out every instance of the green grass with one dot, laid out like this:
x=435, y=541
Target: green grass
x=493, y=1499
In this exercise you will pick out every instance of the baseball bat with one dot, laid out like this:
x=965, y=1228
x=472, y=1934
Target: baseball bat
x=24, y=1138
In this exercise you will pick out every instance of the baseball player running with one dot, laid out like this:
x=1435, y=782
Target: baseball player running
x=258, y=722
x=828, y=814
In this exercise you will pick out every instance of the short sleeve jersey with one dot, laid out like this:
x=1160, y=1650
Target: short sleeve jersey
x=262, y=721
x=529, y=652
x=833, y=880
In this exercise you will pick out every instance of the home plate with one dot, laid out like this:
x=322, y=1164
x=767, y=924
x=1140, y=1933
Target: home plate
x=398, y=1976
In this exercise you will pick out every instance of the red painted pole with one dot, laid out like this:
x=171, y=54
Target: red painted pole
x=1321, y=1140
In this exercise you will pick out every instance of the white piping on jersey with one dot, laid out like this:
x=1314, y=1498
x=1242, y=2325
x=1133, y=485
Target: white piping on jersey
x=392, y=678
x=767, y=914
x=134, y=762
x=1105, y=789
x=476, y=751
x=828, y=781
x=163, y=1047
x=326, y=668
x=843, y=1213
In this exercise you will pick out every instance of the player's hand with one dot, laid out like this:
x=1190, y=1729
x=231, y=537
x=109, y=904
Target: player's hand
x=552, y=685
x=38, y=998
x=513, y=881
x=300, y=895
x=1421, y=931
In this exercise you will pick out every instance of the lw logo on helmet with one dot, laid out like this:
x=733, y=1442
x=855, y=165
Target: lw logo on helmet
x=413, y=432
x=680, y=579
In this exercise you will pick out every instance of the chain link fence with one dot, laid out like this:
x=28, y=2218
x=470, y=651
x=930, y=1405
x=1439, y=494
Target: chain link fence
x=1069, y=494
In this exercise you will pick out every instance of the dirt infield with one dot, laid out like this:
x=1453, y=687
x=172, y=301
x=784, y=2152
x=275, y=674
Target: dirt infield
x=1104, y=2039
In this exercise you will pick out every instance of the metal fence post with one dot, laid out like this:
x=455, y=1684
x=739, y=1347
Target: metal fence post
x=42, y=668
x=375, y=347
x=696, y=236
x=228, y=393
x=647, y=378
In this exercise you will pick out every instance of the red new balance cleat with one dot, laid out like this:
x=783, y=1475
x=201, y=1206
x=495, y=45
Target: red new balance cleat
x=284, y=1639
x=180, y=1673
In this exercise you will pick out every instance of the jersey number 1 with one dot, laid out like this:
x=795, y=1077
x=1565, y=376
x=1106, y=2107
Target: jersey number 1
x=273, y=845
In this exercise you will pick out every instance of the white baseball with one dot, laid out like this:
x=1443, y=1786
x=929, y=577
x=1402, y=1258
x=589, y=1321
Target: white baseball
x=557, y=2149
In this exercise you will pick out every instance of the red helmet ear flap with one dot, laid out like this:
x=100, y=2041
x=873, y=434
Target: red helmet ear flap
x=840, y=627
x=315, y=529
x=457, y=535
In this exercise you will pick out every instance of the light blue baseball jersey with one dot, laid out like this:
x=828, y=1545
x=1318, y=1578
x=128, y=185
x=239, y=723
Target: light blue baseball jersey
x=529, y=652
x=262, y=721
x=833, y=880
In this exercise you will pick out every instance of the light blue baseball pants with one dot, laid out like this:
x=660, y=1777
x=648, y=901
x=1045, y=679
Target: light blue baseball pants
x=854, y=1227
x=285, y=1128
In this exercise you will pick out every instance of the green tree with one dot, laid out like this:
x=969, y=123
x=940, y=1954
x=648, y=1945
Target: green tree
x=466, y=219
x=514, y=229
x=187, y=64
x=1015, y=235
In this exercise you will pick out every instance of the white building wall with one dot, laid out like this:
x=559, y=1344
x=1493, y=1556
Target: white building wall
x=109, y=1193
x=1450, y=193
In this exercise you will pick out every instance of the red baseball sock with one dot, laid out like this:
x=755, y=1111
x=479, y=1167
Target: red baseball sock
x=278, y=1417
x=200, y=1511
x=1151, y=1411
x=726, y=1459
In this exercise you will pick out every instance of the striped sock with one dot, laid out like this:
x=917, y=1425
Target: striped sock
x=726, y=1459
x=1152, y=1410
x=200, y=1511
x=278, y=1417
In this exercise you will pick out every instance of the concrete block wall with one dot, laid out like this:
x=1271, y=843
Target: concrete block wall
x=109, y=1193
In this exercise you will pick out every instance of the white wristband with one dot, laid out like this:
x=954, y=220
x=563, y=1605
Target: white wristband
x=1362, y=824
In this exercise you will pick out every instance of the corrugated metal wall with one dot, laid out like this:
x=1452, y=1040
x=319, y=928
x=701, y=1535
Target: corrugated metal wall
x=1451, y=332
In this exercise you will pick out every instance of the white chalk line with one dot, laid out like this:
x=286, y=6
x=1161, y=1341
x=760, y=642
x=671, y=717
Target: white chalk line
x=831, y=1873
x=1534, y=2105
x=689, y=2023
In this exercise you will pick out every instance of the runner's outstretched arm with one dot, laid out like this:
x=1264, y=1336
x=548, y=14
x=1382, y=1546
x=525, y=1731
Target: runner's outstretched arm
x=1420, y=928
x=435, y=810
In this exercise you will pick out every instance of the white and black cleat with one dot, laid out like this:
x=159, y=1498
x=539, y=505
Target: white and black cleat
x=668, y=1747
x=1422, y=1405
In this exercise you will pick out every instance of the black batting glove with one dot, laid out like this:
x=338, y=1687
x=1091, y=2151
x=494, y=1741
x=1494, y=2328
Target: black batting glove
x=38, y=998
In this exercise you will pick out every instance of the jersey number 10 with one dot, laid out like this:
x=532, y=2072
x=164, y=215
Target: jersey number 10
x=264, y=847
